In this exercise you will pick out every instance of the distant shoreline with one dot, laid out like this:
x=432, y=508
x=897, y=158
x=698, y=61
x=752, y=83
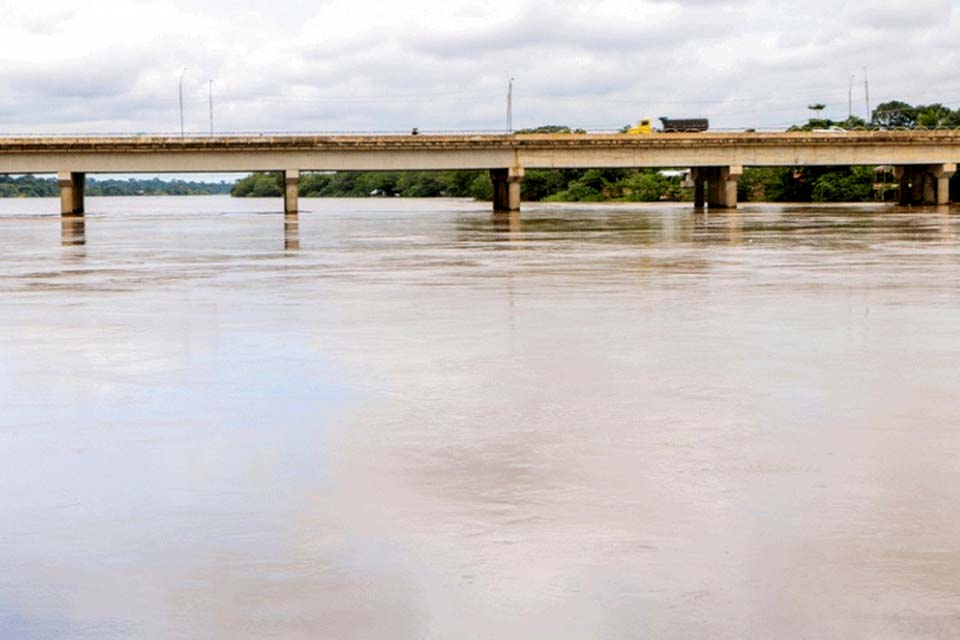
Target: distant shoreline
x=30, y=186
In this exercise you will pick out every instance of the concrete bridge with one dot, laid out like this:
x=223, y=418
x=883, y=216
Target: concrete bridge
x=923, y=161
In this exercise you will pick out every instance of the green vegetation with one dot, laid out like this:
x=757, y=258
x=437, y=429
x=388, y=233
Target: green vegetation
x=597, y=185
x=28, y=187
x=34, y=187
x=561, y=185
x=358, y=184
x=896, y=114
x=811, y=184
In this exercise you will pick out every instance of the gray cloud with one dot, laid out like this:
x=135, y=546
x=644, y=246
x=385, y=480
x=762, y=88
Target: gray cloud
x=359, y=65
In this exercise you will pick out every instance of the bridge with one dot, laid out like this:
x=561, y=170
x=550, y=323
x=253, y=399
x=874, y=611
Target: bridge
x=923, y=161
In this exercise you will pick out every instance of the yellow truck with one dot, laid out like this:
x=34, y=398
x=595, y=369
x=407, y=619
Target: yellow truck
x=643, y=127
x=670, y=125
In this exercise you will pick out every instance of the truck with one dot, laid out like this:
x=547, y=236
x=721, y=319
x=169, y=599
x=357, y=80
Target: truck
x=671, y=125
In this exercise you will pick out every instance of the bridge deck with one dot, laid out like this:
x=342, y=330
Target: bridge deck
x=275, y=142
x=717, y=157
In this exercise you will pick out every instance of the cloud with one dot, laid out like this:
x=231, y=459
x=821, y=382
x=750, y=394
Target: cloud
x=362, y=65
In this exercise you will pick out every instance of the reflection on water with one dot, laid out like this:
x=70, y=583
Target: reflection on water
x=73, y=231
x=429, y=422
x=291, y=232
x=507, y=222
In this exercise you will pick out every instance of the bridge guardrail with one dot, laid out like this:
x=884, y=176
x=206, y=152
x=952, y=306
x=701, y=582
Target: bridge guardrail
x=198, y=135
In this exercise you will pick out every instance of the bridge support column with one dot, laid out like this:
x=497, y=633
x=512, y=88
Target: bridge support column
x=291, y=183
x=71, y=192
x=925, y=183
x=699, y=190
x=506, y=188
x=715, y=186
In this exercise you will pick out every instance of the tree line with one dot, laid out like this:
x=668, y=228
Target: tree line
x=29, y=186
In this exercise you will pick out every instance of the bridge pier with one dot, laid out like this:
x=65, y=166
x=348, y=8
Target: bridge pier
x=71, y=192
x=924, y=183
x=506, y=188
x=291, y=183
x=715, y=186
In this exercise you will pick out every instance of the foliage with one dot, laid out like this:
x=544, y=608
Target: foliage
x=894, y=114
x=806, y=184
x=552, y=128
x=898, y=114
x=764, y=184
x=844, y=184
x=635, y=185
x=259, y=185
x=30, y=186
x=853, y=122
x=540, y=183
x=646, y=186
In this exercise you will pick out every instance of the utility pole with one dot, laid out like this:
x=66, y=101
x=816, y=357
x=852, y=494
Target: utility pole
x=211, y=107
x=866, y=93
x=181, y=100
x=510, y=106
x=850, y=99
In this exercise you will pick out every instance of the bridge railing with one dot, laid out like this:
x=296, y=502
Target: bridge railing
x=407, y=132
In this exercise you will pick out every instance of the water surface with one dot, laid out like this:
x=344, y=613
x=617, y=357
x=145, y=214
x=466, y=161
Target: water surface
x=412, y=419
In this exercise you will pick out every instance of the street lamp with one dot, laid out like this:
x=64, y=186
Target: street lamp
x=510, y=106
x=181, y=100
x=211, y=106
x=866, y=94
x=850, y=100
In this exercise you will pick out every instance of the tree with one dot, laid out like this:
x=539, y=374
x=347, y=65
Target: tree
x=936, y=115
x=258, y=185
x=645, y=186
x=539, y=183
x=844, y=184
x=895, y=114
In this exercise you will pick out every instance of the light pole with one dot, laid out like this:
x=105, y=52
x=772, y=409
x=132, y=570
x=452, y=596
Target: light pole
x=510, y=106
x=866, y=93
x=850, y=99
x=181, y=100
x=211, y=107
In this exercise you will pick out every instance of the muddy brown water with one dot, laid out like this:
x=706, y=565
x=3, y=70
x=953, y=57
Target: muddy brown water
x=411, y=419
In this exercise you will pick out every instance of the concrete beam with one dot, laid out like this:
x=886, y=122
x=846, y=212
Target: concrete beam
x=157, y=154
x=72, y=186
x=291, y=183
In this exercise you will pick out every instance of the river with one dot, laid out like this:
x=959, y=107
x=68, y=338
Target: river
x=410, y=419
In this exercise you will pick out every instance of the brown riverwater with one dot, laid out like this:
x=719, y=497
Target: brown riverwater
x=407, y=419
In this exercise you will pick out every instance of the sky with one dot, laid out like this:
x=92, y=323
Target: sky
x=115, y=66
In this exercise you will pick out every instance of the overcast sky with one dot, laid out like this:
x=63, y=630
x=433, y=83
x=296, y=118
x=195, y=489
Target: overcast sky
x=364, y=65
